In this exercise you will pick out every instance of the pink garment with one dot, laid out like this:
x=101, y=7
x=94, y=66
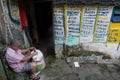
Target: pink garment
x=13, y=58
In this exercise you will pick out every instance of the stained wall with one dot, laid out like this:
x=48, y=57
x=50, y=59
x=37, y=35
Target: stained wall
x=87, y=28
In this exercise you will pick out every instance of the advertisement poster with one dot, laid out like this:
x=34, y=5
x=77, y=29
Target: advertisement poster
x=114, y=33
x=87, y=24
x=102, y=23
x=72, y=25
x=58, y=26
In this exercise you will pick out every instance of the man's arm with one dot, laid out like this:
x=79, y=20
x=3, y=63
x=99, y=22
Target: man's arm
x=27, y=49
x=27, y=58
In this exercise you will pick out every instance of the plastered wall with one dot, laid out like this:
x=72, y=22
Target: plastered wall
x=89, y=26
x=10, y=20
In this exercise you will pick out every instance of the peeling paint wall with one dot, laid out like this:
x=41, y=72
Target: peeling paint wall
x=9, y=28
x=10, y=23
x=58, y=22
x=88, y=28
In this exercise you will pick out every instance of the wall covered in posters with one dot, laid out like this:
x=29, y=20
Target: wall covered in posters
x=102, y=23
x=87, y=23
x=91, y=25
x=72, y=15
x=58, y=25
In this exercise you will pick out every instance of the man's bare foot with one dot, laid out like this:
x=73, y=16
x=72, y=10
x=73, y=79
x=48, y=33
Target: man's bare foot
x=34, y=77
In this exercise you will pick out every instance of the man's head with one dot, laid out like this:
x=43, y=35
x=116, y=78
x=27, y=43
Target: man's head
x=15, y=44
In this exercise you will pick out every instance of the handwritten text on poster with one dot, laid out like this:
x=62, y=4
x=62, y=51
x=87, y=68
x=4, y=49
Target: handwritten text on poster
x=58, y=26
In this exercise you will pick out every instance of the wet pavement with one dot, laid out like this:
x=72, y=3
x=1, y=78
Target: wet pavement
x=59, y=69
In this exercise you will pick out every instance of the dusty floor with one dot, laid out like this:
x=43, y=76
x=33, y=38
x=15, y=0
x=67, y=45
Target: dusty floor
x=59, y=69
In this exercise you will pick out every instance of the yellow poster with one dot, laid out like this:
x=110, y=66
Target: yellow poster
x=114, y=33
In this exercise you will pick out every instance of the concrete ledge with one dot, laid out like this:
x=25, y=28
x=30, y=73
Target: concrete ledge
x=93, y=59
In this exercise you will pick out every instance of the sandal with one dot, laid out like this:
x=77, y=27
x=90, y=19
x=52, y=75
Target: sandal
x=35, y=78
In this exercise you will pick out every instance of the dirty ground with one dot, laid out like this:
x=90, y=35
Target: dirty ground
x=59, y=69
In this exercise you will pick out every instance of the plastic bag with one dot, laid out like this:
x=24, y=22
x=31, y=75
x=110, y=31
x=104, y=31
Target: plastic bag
x=41, y=64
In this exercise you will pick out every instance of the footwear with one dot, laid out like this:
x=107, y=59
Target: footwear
x=35, y=78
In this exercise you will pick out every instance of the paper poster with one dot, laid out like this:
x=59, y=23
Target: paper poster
x=102, y=23
x=72, y=25
x=76, y=64
x=114, y=33
x=87, y=24
x=58, y=26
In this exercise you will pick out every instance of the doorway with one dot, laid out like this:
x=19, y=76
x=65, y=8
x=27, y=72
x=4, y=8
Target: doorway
x=44, y=26
x=43, y=16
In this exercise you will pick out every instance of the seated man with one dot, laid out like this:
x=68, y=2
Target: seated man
x=18, y=61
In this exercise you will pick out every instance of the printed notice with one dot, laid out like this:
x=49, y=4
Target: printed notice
x=76, y=64
x=114, y=33
x=58, y=26
x=87, y=23
x=73, y=25
x=102, y=23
